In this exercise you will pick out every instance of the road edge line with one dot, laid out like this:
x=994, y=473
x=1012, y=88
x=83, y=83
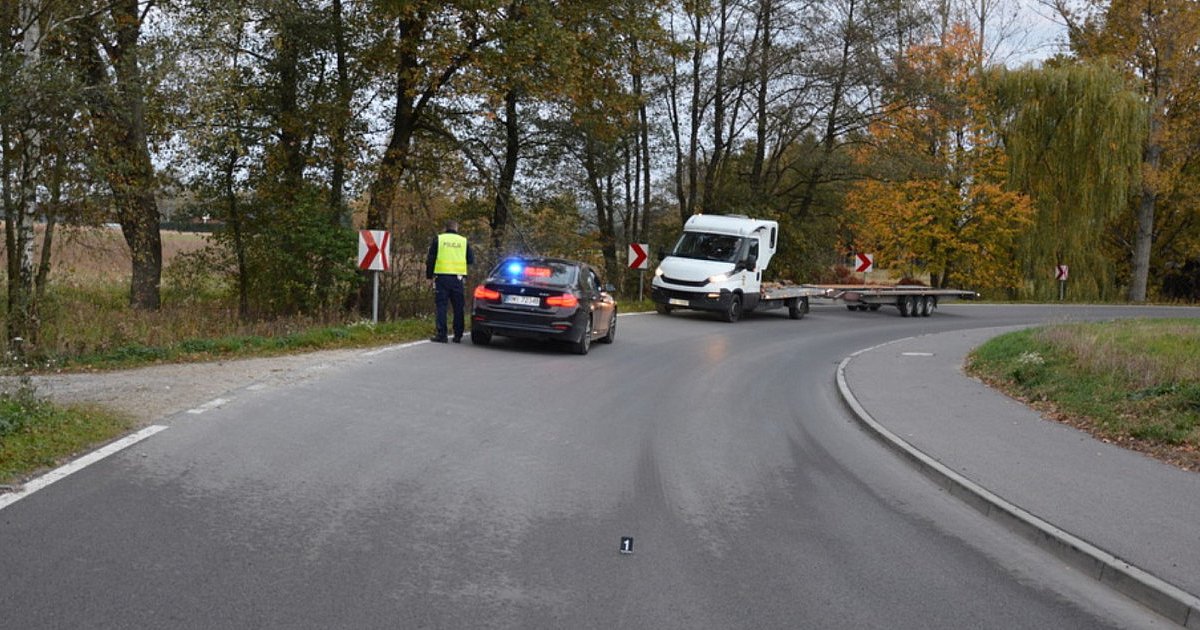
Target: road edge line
x=78, y=464
x=1163, y=598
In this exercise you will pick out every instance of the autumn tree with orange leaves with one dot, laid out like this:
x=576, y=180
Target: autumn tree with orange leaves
x=941, y=205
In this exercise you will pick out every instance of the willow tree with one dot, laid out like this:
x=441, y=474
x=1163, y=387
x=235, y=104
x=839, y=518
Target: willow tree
x=1157, y=44
x=1074, y=138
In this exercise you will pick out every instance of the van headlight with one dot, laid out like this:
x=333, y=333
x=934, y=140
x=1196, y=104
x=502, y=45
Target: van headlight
x=658, y=272
x=721, y=277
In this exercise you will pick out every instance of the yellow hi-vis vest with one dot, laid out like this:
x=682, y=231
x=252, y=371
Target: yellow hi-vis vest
x=451, y=255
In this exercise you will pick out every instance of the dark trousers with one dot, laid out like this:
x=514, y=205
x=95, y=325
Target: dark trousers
x=448, y=290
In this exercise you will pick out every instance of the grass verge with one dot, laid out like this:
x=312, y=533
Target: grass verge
x=35, y=434
x=1135, y=383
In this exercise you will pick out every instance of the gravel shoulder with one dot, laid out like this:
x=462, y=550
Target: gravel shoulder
x=149, y=394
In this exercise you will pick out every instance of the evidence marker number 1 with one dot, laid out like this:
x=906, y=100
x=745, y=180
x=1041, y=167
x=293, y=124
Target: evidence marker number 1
x=626, y=544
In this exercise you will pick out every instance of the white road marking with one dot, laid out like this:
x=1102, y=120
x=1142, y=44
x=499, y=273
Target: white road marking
x=916, y=354
x=212, y=404
x=391, y=348
x=77, y=465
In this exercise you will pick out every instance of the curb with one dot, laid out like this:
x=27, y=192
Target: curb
x=1170, y=601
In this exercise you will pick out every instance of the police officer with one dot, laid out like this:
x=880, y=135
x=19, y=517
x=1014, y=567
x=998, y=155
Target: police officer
x=446, y=266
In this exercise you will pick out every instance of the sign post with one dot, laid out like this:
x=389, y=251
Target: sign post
x=373, y=256
x=1060, y=273
x=639, y=259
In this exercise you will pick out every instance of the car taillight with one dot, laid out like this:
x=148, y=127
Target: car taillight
x=565, y=300
x=486, y=294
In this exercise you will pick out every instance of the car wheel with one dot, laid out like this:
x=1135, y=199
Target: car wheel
x=585, y=342
x=480, y=337
x=611, y=335
x=734, y=311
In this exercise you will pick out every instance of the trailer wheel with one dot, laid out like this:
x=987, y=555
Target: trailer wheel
x=874, y=307
x=733, y=312
x=927, y=305
x=663, y=309
x=851, y=307
x=914, y=306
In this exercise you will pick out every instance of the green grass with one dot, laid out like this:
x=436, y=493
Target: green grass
x=35, y=434
x=353, y=335
x=1135, y=381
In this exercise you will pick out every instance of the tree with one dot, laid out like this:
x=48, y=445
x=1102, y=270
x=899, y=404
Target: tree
x=38, y=139
x=943, y=205
x=272, y=147
x=110, y=57
x=1074, y=135
x=424, y=46
x=1158, y=43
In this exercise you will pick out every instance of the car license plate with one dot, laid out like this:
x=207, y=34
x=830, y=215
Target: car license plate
x=523, y=300
x=678, y=302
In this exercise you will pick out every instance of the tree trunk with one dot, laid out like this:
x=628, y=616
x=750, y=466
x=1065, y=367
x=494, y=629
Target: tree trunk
x=131, y=173
x=341, y=125
x=713, y=168
x=508, y=174
x=21, y=323
x=1143, y=242
x=757, y=178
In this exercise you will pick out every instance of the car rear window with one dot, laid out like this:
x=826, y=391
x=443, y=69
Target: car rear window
x=534, y=272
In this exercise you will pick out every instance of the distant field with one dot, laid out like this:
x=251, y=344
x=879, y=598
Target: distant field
x=87, y=255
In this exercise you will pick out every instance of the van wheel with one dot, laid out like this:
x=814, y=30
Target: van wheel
x=733, y=312
x=797, y=308
x=663, y=309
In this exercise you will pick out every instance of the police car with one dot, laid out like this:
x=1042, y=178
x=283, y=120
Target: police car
x=544, y=298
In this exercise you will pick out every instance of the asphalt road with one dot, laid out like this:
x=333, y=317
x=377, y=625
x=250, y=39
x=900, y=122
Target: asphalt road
x=455, y=486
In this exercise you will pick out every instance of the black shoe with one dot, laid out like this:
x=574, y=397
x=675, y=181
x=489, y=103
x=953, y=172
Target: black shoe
x=436, y=339
x=457, y=340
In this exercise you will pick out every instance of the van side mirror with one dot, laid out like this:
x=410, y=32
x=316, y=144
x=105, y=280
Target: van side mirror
x=751, y=262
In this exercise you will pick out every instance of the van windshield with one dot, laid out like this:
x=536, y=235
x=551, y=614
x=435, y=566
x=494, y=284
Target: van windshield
x=704, y=246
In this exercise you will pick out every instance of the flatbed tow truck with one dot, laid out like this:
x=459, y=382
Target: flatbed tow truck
x=718, y=262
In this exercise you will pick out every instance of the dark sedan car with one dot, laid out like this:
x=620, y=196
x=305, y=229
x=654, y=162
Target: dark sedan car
x=544, y=298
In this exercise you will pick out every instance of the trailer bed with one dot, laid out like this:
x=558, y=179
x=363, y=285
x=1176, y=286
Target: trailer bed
x=910, y=300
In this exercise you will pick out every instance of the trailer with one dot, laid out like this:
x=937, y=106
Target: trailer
x=718, y=262
x=910, y=300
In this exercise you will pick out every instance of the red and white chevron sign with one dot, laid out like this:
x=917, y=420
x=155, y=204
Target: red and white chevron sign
x=373, y=250
x=865, y=262
x=638, y=256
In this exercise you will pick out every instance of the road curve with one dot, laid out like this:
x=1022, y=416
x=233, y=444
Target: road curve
x=454, y=486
